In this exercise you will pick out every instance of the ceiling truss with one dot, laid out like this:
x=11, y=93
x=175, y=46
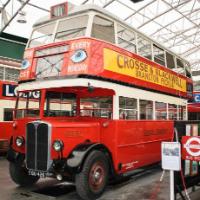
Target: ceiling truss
x=174, y=23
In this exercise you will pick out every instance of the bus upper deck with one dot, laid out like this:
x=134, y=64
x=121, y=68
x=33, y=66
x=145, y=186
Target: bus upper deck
x=91, y=42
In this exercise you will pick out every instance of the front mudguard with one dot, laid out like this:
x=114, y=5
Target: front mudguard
x=78, y=155
x=15, y=157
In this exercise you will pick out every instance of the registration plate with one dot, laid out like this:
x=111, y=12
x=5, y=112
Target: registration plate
x=41, y=174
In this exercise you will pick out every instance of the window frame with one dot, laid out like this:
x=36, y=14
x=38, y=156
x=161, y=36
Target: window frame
x=94, y=14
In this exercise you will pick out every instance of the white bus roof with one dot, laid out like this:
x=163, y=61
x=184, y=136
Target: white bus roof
x=90, y=7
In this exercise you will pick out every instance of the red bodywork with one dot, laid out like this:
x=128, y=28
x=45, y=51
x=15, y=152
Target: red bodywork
x=6, y=126
x=6, y=130
x=131, y=143
x=94, y=65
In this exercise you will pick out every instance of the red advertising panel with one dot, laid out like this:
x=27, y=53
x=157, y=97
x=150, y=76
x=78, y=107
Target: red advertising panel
x=191, y=148
x=99, y=59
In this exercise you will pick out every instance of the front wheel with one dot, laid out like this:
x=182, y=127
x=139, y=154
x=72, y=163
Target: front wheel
x=92, y=180
x=19, y=175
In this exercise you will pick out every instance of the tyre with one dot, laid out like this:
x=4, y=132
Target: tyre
x=92, y=180
x=20, y=176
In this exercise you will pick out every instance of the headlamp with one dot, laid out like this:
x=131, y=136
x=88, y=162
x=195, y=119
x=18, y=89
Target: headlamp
x=58, y=145
x=19, y=141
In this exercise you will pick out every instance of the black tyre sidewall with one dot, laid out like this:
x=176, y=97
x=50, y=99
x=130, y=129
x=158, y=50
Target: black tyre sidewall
x=82, y=179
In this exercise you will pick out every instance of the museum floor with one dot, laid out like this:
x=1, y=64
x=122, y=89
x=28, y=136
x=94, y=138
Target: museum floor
x=143, y=186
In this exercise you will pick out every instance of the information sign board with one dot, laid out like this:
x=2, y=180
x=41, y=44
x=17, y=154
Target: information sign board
x=171, y=156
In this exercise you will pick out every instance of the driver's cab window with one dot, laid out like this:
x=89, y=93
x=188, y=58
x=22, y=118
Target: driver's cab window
x=103, y=29
x=59, y=104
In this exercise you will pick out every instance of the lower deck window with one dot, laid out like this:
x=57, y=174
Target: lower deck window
x=146, y=109
x=172, y=112
x=96, y=107
x=127, y=108
x=8, y=114
x=182, y=113
x=161, y=110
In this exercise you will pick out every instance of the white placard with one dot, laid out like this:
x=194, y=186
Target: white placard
x=171, y=156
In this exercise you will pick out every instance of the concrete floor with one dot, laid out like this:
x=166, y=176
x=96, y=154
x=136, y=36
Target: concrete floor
x=144, y=186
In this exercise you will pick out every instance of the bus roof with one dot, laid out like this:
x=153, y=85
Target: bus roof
x=90, y=7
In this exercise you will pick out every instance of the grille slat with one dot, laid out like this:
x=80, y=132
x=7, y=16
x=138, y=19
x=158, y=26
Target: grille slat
x=30, y=146
x=38, y=146
x=42, y=147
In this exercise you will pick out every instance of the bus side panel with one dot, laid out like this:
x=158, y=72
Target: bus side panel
x=108, y=137
x=139, y=142
x=5, y=134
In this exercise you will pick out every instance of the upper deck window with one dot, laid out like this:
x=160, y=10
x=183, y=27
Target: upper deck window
x=42, y=35
x=103, y=29
x=188, y=70
x=159, y=55
x=126, y=38
x=180, y=66
x=170, y=61
x=71, y=28
x=144, y=47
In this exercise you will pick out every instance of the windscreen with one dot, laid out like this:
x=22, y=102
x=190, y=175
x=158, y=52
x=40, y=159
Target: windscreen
x=42, y=35
x=28, y=104
x=71, y=28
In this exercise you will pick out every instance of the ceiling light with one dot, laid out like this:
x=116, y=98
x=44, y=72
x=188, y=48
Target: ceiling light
x=22, y=17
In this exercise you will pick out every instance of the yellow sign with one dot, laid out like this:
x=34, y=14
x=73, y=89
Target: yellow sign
x=133, y=67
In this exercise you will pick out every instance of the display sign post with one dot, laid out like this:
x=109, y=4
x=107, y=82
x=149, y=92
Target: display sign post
x=171, y=160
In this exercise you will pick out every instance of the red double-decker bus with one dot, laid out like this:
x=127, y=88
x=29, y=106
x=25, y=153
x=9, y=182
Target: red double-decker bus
x=96, y=98
x=7, y=104
x=194, y=107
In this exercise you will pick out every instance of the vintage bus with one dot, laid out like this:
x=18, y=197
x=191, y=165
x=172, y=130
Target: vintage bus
x=7, y=104
x=194, y=107
x=96, y=98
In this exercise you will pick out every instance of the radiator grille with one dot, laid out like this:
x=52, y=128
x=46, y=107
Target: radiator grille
x=38, y=141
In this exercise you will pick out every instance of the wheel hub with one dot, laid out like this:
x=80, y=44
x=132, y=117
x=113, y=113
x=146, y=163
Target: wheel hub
x=97, y=176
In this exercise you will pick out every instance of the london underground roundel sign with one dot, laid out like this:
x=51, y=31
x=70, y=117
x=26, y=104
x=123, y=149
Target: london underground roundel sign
x=191, y=148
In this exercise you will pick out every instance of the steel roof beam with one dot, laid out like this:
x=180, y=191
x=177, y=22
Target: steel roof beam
x=190, y=51
x=186, y=37
x=108, y=3
x=15, y=14
x=135, y=12
x=181, y=12
x=4, y=5
x=161, y=14
x=173, y=22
